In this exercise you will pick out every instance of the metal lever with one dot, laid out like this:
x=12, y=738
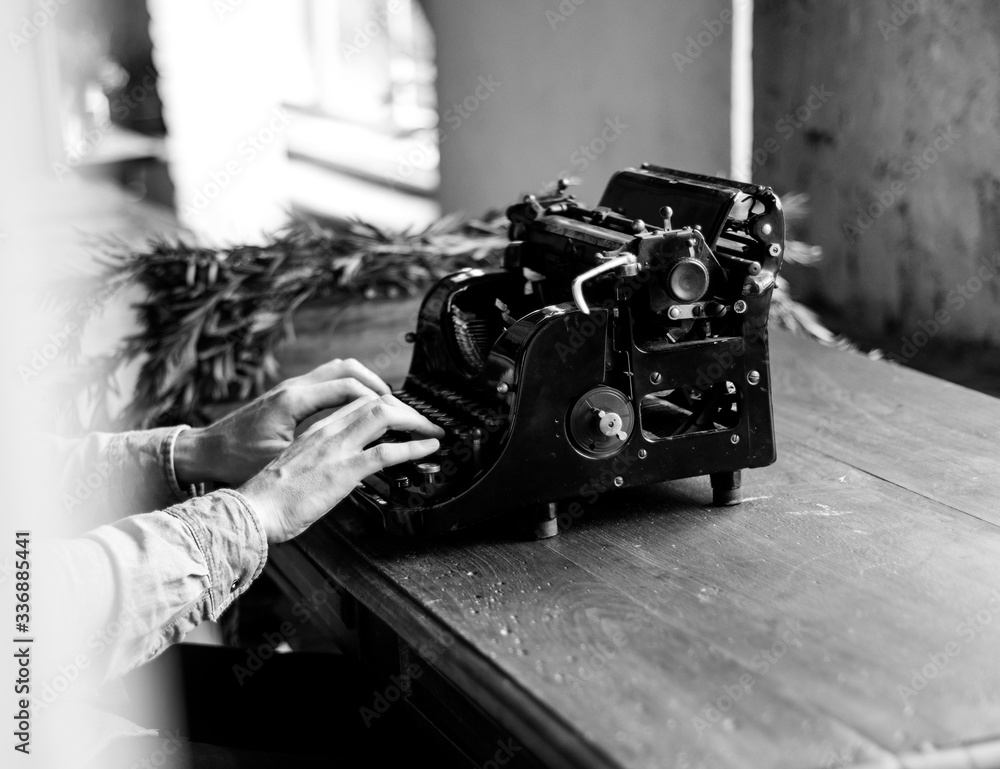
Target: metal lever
x=612, y=264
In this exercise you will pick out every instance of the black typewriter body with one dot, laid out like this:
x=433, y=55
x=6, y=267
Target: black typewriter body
x=619, y=345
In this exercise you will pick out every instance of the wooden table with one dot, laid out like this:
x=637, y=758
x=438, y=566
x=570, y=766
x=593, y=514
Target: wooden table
x=848, y=612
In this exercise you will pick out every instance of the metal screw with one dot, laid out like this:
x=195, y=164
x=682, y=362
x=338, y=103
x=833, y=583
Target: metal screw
x=674, y=313
x=753, y=377
x=775, y=249
x=766, y=229
x=734, y=439
x=642, y=453
x=740, y=307
x=656, y=377
x=619, y=481
x=503, y=388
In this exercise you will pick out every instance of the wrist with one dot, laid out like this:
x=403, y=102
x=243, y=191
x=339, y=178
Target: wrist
x=194, y=458
x=256, y=492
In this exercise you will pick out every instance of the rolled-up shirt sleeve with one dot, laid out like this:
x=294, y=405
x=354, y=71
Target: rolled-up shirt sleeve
x=105, y=476
x=127, y=590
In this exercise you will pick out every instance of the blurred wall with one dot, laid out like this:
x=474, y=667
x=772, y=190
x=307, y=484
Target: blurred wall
x=888, y=115
x=529, y=91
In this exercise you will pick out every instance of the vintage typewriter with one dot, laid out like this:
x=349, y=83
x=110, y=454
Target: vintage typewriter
x=617, y=346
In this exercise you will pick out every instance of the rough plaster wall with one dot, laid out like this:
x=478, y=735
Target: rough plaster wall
x=902, y=74
x=563, y=80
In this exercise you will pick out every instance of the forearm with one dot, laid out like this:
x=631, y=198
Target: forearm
x=125, y=591
x=104, y=477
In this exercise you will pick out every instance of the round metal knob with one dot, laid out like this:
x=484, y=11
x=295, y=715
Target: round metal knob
x=610, y=423
x=600, y=422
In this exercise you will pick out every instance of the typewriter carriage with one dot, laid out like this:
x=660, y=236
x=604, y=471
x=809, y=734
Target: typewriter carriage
x=606, y=351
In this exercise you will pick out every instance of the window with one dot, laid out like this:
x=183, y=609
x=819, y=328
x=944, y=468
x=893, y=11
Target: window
x=374, y=112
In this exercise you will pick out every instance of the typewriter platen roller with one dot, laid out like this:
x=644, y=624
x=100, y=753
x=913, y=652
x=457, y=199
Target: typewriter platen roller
x=619, y=345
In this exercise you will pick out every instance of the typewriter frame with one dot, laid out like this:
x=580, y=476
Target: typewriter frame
x=541, y=437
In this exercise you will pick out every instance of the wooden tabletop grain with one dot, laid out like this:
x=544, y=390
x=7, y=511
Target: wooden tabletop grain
x=848, y=612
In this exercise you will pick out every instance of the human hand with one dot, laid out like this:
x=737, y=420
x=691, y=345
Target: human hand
x=328, y=460
x=237, y=446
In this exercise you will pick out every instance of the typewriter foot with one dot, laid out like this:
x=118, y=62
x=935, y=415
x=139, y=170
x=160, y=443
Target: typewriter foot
x=547, y=523
x=726, y=489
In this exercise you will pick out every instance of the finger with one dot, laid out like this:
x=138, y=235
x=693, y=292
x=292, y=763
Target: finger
x=375, y=417
x=342, y=414
x=339, y=369
x=311, y=398
x=392, y=400
x=388, y=454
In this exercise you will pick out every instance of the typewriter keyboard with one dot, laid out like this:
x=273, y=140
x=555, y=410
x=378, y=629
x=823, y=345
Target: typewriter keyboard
x=472, y=430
